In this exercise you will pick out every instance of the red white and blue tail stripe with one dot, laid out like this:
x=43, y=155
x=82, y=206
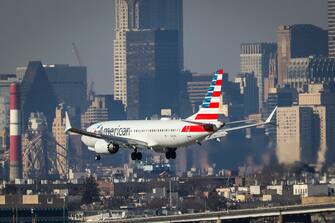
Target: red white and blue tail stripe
x=209, y=110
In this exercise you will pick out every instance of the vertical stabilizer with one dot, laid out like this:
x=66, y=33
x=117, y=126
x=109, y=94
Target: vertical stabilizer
x=209, y=110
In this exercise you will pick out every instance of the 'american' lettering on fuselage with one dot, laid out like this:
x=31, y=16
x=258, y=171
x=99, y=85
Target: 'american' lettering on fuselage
x=116, y=131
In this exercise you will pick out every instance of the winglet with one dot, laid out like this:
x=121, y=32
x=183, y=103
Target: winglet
x=67, y=123
x=268, y=120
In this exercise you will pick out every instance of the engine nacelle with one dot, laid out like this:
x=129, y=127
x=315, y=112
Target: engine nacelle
x=103, y=147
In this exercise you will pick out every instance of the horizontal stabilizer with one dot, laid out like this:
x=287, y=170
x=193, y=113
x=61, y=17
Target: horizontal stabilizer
x=222, y=132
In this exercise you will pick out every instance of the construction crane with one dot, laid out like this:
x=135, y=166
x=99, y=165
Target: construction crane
x=76, y=53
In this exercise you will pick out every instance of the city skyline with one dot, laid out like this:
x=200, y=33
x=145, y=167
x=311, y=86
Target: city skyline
x=120, y=110
x=48, y=34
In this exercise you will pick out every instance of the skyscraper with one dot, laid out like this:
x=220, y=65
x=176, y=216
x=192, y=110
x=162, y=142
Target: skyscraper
x=272, y=80
x=232, y=99
x=249, y=91
x=281, y=97
x=102, y=108
x=294, y=135
x=120, y=75
x=322, y=101
x=152, y=72
x=197, y=88
x=331, y=28
x=255, y=58
x=5, y=81
x=297, y=41
x=69, y=83
x=37, y=94
x=142, y=14
x=310, y=70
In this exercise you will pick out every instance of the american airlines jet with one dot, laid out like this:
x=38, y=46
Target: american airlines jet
x=163, y=136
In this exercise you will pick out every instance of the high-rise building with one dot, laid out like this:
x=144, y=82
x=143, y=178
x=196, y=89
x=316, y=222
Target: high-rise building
x=162, y=14
x=294, y=135
x=197, y=88
x=249, y=91
x=58, y=127
x=152, y=72
x=255, y=58
x=185, y=105
x=5, y=81
x=69, y=83
x=310, y=70
x=37, y=94
x=4, y=113
x=120, y=73
x=102, y=108
x=272, y=80
x=142, y=14
x=232, y=100
x=281, y=97
x=296, y=41
x=331, y=28
x=318, y=94
x=4, y=137
x=322, y=101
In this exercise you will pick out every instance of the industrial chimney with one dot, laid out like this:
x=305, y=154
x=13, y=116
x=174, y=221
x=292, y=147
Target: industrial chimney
x=15, y=156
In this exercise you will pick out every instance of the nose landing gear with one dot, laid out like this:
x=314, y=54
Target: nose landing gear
x=97, y=157
x=171, y=154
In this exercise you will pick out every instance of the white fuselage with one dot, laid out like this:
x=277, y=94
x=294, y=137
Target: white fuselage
x=158, y=134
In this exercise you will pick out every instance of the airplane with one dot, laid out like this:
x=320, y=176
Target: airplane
x=162, y=136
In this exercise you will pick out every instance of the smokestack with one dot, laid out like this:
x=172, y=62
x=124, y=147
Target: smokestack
x=15, y=160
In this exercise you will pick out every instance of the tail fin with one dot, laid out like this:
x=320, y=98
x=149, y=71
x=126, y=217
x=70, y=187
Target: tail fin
x=209, y=110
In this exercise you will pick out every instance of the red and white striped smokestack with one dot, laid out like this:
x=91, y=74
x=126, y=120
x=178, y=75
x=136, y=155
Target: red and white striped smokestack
x=15, y=157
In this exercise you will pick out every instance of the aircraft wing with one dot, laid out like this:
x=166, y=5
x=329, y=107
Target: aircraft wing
x=108, y=138
x=224, y=131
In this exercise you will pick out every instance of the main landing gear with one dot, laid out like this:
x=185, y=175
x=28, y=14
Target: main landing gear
x=97, y=157
x=136, y=155
x=171, y=154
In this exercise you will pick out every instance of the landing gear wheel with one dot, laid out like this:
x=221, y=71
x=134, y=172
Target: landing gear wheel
x=97, y=157
x=173, y=154
x=133, y=156
x=168, y=155
x=139, y=155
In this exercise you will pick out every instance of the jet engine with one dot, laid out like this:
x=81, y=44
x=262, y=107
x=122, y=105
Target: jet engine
x=113, y=148
x=103, y=147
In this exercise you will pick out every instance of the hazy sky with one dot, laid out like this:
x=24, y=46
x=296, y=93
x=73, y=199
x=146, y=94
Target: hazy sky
x=213, y=30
